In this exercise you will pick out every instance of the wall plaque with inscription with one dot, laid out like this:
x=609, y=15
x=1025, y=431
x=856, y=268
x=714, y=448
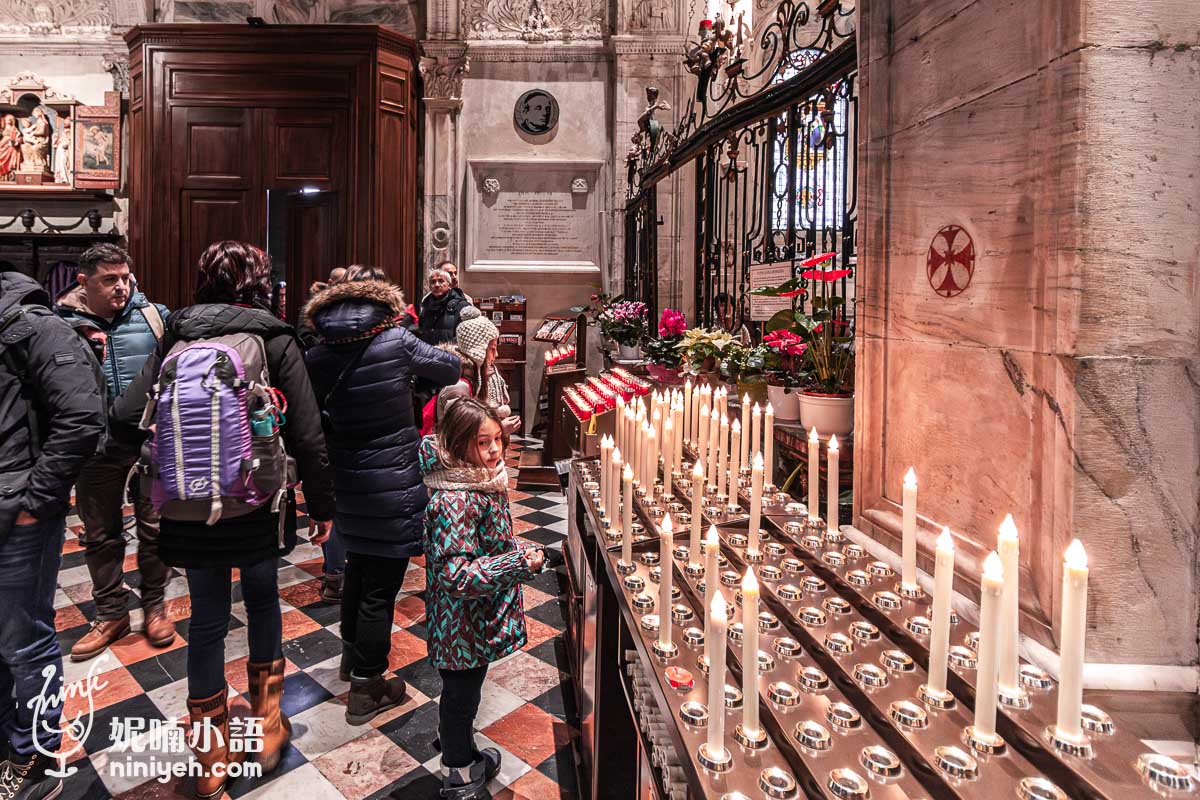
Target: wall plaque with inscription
x=537, y=219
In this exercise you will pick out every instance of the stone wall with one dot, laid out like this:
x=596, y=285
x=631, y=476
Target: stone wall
x=1061, y=385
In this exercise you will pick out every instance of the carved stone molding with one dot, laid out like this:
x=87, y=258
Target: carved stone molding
x=534, y=20
x=117, y=64
x=27, y=83
x=519, y=51
x=55, y=17
x=651, y=15
x=656, y=45
x=444, y=76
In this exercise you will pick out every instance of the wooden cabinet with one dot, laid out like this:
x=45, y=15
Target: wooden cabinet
x=219, y=114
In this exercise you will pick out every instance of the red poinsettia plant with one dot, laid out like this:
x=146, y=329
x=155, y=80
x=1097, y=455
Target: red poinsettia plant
x=823, y=337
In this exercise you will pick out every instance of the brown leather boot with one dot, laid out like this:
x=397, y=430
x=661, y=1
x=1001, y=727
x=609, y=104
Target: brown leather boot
x=266, y=691
x=158, y=626
x=97, y=640
x=209, y=747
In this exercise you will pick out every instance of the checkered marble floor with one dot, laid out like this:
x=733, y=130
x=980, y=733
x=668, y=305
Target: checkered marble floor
x=527, y=709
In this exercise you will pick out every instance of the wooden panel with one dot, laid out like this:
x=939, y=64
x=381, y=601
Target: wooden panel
x=393, y=91
x=306, y=148
x=208, y=216
x=315, y=244
x=213, y=147
x=241, y=82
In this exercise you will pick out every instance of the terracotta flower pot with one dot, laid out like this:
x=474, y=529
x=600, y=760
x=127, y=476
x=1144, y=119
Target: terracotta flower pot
x=829, y=414
x=786, y=402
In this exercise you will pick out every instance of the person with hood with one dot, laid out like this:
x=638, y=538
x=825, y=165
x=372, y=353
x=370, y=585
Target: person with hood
x=52, y=410
x=107, y=300
x=477, y=337
x=233, y=295
x=363, y=371
x=440, y=309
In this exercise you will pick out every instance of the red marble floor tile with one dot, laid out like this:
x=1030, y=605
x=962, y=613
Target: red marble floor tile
x=537, y=632
x=409, y=611
x=296, y=623
x=71, y=544
x=406, y=649
x=527, y=733
x=106, y=689
x=521, y=526
x=533, y=785
x=414, y=580
x=68, y=617
x=179, y=607
x=153, y=790
x=302, y=594
x=515, y=496
x=130, y=562
x=235, y=673
x=525, y=675
x=135, y=647
x=533, y=597
x=314, y=567
x=365, y=765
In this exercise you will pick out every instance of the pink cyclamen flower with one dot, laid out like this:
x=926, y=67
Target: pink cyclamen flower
x=671, y=323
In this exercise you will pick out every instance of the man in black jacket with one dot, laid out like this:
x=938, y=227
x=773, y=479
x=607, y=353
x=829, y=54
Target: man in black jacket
x=52, y=413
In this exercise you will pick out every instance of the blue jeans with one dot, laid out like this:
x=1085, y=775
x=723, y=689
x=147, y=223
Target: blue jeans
x=30, y=657
x=212, y=602
x=335, y=554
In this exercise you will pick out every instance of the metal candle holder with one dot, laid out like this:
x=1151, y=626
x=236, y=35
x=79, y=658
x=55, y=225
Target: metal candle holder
x=755, y=739
x=988, y=744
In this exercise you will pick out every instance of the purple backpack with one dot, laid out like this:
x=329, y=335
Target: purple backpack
x=215, y=451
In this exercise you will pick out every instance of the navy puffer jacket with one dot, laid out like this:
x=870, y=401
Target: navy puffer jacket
x=371, y=425
x=130, y=338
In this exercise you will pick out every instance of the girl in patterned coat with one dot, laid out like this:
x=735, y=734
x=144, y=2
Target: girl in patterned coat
x=474, y=567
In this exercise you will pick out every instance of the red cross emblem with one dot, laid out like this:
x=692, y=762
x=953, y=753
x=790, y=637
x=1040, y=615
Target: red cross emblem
x=951, y=261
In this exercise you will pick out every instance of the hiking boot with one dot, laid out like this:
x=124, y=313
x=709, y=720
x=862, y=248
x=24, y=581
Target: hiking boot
x=104, y=632
x=331, y=587
x=468, y=783
x=158, y=626
x=370, y=697
x=492, y=757
x=25, y=778
x=266, y=692
x=212, y=748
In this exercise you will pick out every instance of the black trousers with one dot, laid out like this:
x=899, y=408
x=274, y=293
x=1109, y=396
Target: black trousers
x=456, y=710
x=368, y=607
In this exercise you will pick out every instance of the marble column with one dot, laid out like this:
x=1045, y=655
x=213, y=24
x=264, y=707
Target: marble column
x=443, y=68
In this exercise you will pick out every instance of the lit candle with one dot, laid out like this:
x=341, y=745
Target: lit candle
x=627, y=517
x=664, y=583
x=697, y=511
x=1073, y=626
x=714, y=437
x=605, y=454
x=714, y=640
x=619, y=419
x=756, y=491
x=651, y=459
x=701, y=440
x=943, y=582
x=723, y=402
x=755, y=431
x=831, y=512
x=769, y=445
x=735, y=461
x=656, y=422
x=702, y=420
x=722, y=446
x=638, y=452
x=677, y=415
x=1008, y=546
x=614, y=488
x=814, y=475
x=908, y=540
x=668, y=454
x=744, y=456
x=750, y=653
x=989, y=630
x=712, y=549
x=687, y=409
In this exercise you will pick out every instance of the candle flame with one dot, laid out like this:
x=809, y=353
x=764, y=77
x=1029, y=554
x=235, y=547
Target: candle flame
x=756, y=409
x=650, y=432
x=627, y=474
x=1008, y=528
x=945, y=541
x=758, y=459
x=1076, y=556
x=687, y=384
x=737, y=426
x=668, y=424
x=710, y=537
x=616, y=455
x=668, y=527
x=724, y=422
x=698, y=471
x=993, y=567
x=746, y=399
x=812, y=435
x=749, y=582
x=770, y=409
x=704, y=410
x=718, y=611
x=833, y=445
x=910, y=479
x=716, y=414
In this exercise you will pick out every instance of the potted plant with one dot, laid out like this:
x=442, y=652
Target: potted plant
x=827, y=393
x=785, y=373
x=624, y=322
x=746, y=366
x=663, y=355
x=701, y=350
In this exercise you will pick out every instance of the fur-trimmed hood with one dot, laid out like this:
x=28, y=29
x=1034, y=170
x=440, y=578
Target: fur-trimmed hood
x=348, y=309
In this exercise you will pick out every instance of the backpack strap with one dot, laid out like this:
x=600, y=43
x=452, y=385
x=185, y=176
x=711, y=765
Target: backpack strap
x=16, y=360
x=154, y=320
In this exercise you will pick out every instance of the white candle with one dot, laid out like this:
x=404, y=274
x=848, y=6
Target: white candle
x=687, y=409
x=635, y=447
x=668, y=454
x=1008, y=546
x=714, y=436
x=656, y=422
x=814, y=475
x=619, y=417
x=735, y=461
x=627, y=517
x=908, y=531
x=677, y=415
x=605, y=454
x=1073, y=627
x=943, y=583
x=755, y=431
x=664, y=582
x=744, y=456
x=831, y=512
x=989, y=630
x=723, y=402
x=769, y=445
x=651, y=459
x=697, y=511
x=756, y=491
x=701, y=440
x=750, y=653
x=702, y=420
x=614, y=488
x=718, y=623
x=722, y=447
x=712, y=549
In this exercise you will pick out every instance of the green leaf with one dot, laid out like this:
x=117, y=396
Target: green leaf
x=837, y=300
x=781, y=320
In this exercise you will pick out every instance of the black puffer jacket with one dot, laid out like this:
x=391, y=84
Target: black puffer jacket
x=439, y=316
x=371, y=422
x=66, y=391
x=243, y=540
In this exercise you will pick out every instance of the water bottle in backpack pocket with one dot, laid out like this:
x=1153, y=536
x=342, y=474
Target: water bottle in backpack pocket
x=215, y=451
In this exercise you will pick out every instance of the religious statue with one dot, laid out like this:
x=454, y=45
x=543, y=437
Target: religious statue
x=62, y=151
x=35, y=147
x=10, y=148
x=650, y=129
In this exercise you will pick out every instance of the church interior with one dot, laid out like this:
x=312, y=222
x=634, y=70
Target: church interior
x=873, y=322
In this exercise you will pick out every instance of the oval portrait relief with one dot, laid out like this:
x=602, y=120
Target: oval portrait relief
x=536, y=112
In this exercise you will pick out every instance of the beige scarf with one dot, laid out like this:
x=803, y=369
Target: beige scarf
x=478, y=479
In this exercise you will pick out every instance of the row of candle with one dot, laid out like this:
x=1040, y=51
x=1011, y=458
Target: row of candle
x=707, y=427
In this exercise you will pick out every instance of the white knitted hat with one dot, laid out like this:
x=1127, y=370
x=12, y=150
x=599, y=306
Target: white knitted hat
x=475, y=332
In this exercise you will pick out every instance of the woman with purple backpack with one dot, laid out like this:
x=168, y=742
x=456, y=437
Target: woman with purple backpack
x=225, y=491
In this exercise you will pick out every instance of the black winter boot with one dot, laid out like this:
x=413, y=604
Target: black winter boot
x=25, y=778
x=370, y=697
x=468, y=783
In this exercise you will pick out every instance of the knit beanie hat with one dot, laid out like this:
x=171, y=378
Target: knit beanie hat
x=475, y=332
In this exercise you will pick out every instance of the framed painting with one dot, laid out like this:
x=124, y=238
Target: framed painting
x=98, y=144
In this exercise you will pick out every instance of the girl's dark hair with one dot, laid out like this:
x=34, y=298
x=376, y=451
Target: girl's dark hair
x=365, y=272
x=234, y=272
x=459, y=426
x=473, y=375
